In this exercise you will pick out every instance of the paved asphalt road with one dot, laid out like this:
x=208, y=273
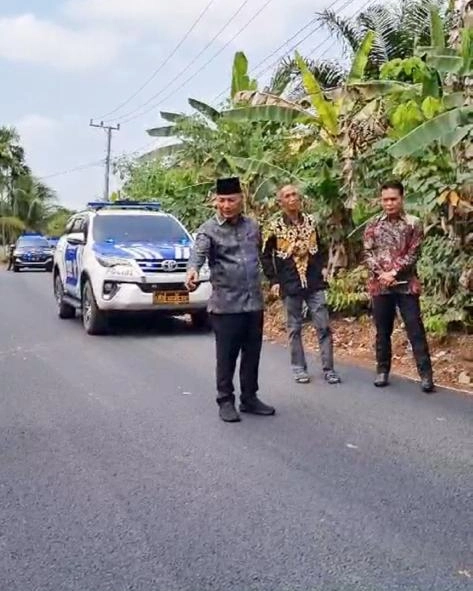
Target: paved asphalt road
x=116, y=474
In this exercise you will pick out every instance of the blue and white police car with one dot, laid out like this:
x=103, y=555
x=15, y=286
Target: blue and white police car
x=125, y=256
x=32, y=251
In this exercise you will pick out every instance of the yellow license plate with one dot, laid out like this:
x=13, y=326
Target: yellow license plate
x=170, y=297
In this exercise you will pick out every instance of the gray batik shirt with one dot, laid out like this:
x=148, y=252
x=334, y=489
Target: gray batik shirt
x=232, y=250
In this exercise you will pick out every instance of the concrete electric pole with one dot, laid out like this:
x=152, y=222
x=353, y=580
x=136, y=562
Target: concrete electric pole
x=108, y=129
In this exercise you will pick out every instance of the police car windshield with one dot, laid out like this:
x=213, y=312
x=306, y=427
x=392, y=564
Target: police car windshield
x=32, y=242
x=138, y=228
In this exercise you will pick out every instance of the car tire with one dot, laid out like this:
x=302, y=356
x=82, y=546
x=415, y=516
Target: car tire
x=49, y=269
x=93, y=319
x=200, y=320
x=64, y=311
x=16, y=269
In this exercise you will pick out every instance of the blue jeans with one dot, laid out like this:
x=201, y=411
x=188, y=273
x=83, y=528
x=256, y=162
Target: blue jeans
x=317, y=305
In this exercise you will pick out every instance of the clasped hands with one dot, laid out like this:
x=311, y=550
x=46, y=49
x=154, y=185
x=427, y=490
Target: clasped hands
x=387, y=278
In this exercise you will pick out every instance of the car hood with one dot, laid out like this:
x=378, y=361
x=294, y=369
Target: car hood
x=32, y=249
x=143, y=250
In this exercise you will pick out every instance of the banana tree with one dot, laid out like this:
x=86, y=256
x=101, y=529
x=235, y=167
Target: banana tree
x=346, y=120
x=453, y=126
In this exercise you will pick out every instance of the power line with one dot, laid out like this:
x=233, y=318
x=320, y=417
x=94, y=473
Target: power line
x=283, y=45
x=71, y=170
x=334, y=42
x=191, y=63
x=219, y=52
x=163, y=63
x=274, y=63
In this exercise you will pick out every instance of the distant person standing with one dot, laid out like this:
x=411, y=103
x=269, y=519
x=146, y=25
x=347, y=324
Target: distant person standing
x=11, y=249
x=293, y=264
x=231, y=242
x=392, y=243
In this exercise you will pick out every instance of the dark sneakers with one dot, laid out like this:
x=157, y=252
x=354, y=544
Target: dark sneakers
x=427, y=384
x=254, y=406
x=228, y=413
x=381, y=380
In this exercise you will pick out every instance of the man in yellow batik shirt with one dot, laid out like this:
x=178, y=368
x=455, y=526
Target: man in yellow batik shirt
x=293, y=264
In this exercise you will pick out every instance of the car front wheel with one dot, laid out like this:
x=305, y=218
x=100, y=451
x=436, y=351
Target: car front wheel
x=64, y=310
x=93, y=319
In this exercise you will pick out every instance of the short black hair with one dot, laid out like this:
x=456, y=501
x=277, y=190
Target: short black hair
x=396, y=185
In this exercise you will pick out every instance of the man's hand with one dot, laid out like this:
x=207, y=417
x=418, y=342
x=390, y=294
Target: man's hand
x=275, y=290
x=387, y=278
x=192, y=278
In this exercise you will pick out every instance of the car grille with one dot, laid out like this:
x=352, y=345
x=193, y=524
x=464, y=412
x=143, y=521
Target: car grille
x=158, y=266
x=150, y=288
x=34, y=258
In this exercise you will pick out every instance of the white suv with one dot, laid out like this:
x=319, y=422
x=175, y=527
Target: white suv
x=125, y=256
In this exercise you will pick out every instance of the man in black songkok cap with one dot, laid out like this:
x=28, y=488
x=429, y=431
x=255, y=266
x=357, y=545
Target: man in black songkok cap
x=231, y=243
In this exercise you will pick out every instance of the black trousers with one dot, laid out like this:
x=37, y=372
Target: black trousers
x=384, y=311
x=237, y=334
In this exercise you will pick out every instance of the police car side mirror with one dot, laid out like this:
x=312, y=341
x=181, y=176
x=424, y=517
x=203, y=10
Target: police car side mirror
x=76, y=239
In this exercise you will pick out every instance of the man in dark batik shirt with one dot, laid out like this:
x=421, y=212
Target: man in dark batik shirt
x=392, y=243
x=231, y=244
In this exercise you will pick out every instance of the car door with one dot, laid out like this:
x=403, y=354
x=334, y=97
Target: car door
x=73, y=258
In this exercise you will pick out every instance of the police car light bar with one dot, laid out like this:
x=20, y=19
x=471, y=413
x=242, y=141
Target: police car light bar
x=31, y=234
x=124, y=204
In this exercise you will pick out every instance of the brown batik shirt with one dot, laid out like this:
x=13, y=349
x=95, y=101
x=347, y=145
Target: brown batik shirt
x=393, y=244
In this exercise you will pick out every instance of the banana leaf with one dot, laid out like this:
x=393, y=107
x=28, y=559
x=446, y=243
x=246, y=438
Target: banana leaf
x=445, y=64
x=435, y=129
x=240, y=78
x=456, y=136
x=437, y=34
x=161, y=152
x=326, y=110
x=204, y=109
x=261, y=167
x=171, y=117
x=166, y=131
x=361, y=57
x=270, y=113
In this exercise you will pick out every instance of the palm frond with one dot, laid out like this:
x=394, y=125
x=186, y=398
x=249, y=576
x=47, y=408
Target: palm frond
x=328, y=73
x=344, y=28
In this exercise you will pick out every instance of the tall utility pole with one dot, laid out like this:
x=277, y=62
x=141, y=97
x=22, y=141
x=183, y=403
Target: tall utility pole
x=109, y=129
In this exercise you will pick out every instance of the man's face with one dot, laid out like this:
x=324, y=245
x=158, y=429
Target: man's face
x=229, y=206
x=391, y=201
x=290, y=199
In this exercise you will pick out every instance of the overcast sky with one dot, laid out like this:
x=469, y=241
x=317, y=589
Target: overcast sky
x=63, y=62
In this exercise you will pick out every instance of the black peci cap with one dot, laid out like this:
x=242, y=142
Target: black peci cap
x=229, y=186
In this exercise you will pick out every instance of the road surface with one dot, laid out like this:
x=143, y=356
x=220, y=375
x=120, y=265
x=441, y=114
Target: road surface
x=116, y=474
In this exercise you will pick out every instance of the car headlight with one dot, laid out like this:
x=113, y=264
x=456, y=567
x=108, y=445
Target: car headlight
x=16, y=253
x=111, y=261
x=116, y=266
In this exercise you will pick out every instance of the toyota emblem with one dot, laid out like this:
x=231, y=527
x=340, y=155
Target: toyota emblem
x=169, y=265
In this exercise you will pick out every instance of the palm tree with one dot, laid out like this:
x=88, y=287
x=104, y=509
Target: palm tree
x=286, y=80
x=397, y=27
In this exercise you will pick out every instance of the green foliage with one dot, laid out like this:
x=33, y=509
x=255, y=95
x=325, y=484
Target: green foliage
x=347, y=293
x=240, y=78
x=25, y=201
x=445, y=302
